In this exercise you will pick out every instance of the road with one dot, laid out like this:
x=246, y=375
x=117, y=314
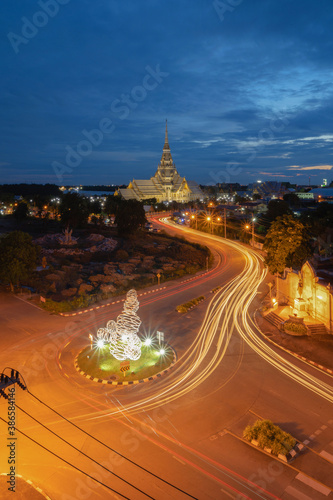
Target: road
x=183, y=428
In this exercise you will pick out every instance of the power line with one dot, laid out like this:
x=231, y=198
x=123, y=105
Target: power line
x=66, y=462
x=82, y=452
x=112, y=449
x=103, y=444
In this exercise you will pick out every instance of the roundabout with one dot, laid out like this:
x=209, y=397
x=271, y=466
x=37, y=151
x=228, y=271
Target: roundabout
x=97, y=365
x=118, y=352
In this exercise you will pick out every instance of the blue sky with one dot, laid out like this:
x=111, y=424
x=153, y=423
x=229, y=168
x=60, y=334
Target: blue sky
x=246, y=86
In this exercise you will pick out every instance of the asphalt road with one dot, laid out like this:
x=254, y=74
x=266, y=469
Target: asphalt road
x=177, y=436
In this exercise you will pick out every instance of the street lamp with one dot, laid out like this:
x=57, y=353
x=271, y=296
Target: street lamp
x=196, y=220
x=209, y=219
x=253, y=221
x=248, y=227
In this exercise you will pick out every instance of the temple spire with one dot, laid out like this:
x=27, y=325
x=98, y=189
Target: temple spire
x=166, y=142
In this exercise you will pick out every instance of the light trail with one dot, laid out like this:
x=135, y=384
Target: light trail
x=202, y=358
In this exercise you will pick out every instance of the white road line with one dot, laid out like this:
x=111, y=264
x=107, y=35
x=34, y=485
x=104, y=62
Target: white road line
x=229, y=495
x=326, y=455
x=29, y=303
x=313, y=484
x=296, y=494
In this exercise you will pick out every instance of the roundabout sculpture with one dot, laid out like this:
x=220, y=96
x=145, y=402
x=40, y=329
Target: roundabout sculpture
x=121, y=335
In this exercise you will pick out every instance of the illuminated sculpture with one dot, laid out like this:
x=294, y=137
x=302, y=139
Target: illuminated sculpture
x=122, y=335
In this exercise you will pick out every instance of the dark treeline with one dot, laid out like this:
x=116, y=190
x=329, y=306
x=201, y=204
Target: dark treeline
x=103, y=188
x=30, y=189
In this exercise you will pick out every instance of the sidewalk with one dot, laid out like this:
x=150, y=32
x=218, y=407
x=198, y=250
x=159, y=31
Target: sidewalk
x=317, y=348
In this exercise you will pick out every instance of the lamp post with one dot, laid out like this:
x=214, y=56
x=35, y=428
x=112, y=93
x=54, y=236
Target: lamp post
x=252, y=231
x=209, y=219
x=225, y=222
x=91, y=338
x=253, y=221
x=196, y=220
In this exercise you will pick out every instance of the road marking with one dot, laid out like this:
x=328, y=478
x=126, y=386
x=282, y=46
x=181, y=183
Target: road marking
x=176, y=458
x=296, y=494
x=313, y=484
x=326, y=455
x=229, y=495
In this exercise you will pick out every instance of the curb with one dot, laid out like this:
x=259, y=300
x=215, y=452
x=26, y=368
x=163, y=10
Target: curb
x=292, y=353
x=37, y=488
x=108, y=303
x=291, y=455
x=130, y=382
x=122, y=300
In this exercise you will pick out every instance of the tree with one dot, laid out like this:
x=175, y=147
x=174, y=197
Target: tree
x=130, y=216
x=74, y=209
x=21, y=211
x=287, y=244
x=18, y=257
x=292, y=199
x=277, y=208
x=111, y=205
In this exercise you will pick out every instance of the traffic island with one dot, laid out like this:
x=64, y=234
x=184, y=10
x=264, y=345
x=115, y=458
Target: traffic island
x=270, y=438
x=98, y=365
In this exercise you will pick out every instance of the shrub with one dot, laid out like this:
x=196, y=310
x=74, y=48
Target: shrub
x=185, y=307
x=270, y=436
x=299, y=328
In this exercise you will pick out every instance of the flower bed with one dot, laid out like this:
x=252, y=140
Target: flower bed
x=295, y=328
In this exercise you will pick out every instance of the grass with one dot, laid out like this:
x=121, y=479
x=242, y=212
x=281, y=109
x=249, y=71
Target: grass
x=99, y=363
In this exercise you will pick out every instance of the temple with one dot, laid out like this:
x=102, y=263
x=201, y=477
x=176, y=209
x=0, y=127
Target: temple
x=166, y=185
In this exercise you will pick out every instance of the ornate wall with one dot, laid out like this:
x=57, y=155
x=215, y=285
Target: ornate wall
x=317, y=297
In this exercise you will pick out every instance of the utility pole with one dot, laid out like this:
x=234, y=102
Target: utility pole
x=225, y=222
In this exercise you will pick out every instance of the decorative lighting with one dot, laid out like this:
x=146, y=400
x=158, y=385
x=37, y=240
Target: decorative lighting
x=161, y=352
x=100, y=343
x=147, y=342
x=121, y=335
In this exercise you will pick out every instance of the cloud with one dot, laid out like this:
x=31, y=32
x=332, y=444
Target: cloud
x=318, y=167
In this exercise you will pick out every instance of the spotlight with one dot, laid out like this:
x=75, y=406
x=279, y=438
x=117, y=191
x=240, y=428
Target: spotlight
x=161, y=352
x=147, y=342
x=100, y=343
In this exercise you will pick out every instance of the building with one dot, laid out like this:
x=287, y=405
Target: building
x=166, y=185
x=307, y=294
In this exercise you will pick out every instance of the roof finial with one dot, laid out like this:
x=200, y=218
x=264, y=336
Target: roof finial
x=166, y=142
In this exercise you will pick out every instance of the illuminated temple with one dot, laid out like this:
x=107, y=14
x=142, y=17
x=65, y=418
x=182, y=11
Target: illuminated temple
x=166, y=185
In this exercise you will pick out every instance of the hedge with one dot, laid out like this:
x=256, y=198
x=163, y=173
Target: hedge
x=185, y=307
x=270, y=436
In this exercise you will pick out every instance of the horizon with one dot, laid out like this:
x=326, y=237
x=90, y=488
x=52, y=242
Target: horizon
x=247, y=91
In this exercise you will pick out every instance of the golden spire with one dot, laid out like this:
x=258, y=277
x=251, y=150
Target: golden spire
x=166, y=142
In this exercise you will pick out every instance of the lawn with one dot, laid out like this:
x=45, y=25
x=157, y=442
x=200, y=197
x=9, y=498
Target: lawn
x=99, y=363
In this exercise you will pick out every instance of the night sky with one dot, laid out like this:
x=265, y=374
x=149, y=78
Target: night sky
x=246, y=87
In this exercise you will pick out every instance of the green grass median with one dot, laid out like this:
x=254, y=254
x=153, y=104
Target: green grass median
x=99, y=363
